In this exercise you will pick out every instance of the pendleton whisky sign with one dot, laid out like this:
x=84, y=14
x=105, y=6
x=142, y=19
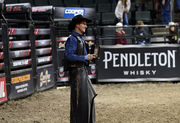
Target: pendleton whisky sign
x=45, y=77
x=139, y=63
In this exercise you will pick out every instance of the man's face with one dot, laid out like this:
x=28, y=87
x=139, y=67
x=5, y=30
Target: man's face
x=81, y=27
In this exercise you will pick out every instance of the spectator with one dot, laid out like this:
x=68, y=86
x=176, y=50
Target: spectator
x=122, y=8
x=178, y=5
x=165, y=11
x=140, y=34
x=172, y=32
x=120, y=33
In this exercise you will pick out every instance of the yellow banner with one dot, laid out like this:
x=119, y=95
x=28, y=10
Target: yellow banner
x=20, y=79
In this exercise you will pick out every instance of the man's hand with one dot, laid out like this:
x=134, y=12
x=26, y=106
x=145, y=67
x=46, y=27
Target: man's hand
x=91, y=57
x=163, y=2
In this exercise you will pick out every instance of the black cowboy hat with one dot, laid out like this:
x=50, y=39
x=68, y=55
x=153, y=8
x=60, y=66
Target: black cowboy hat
x=77, y=20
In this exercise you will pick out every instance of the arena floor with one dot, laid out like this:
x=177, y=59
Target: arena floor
x=115, y=103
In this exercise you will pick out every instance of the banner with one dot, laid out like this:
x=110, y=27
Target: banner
x=139, y=63
x=3, y=91
x=19, y=44
x=21, y=84
x=45, y=78
x=70, y=12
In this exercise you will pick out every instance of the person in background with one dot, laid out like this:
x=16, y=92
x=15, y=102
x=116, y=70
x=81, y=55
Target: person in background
x=77, y=58
x=173, y=38
x=140, y=34
x=121, y=34
x=165, y=11
x=178, y=5
x=121, y=10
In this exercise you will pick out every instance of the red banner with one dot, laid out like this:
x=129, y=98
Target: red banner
x=3, y=91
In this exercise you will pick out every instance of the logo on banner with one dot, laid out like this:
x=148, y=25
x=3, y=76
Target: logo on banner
x=61, y=44
x=147, y=60
x=20, y=79
x=3, y=93
x=45, y=78
x=61, y=71
x=2, y=89
x=71, y=12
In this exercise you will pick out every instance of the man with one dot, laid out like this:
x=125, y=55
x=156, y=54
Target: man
x=82, y=92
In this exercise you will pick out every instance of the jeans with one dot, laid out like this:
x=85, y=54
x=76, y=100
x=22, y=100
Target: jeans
x=166, y=17
x=125, y=19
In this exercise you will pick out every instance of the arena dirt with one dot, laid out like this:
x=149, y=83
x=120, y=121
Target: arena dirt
x=115, y=103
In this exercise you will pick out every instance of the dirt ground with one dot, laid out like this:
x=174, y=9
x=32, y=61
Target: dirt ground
x=115, y=103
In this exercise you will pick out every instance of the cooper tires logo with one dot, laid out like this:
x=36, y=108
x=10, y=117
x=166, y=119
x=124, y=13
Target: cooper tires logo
x=71, y=12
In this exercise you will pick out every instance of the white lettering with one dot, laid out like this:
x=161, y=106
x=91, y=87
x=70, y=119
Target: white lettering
x=124, y=57
x=21, y=86
x=139, y=60
x=172, y=55
x=154, y=57
x=140, y=72
x=132, y=57
x=146, y=59
x=115, y=58
x=108, y=57
x=163, y=59
x=74, y=11
x=2, y=93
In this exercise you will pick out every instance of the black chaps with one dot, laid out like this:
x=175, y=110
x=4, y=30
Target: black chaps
x=82, y=97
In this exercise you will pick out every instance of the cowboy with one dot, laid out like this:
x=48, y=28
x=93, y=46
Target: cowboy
x=82, y=91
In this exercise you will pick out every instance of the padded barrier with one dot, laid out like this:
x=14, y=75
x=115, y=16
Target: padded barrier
x=42, y=13
x=45, y=77
x=18, y=11
x=21, y=84
x=3, y=90
x=63, y=75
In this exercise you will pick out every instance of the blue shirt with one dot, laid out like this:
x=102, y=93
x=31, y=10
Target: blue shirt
x=71, y=46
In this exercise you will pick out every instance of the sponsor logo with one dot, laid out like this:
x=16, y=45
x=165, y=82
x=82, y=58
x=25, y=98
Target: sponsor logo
x=21, y=62
x=71, y=12
x=2, y=89
x=93, y=68
x=61, y=71
x=14, y=9
x=163, y=59
x=22, y=88
x=45, y=78
x=38, y=10
x=61, y=44
x=12, y=31
x=3, y=92
x=20, y=79
x=44, y=59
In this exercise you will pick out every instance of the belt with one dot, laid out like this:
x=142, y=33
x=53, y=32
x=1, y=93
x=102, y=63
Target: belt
x=78, y=65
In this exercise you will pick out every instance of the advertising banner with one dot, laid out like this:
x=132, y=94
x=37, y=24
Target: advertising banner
x=43, y=60
x=21, y=84
x=20, y=53
x=43, y=51
x=19, y=44
x=42, y=31
x=20, y=63
x=70, y=12
x=3, y=91
x=139, y=63
x=18, y=31
x=63, y=75
x=43, y=42
x=45, y=78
